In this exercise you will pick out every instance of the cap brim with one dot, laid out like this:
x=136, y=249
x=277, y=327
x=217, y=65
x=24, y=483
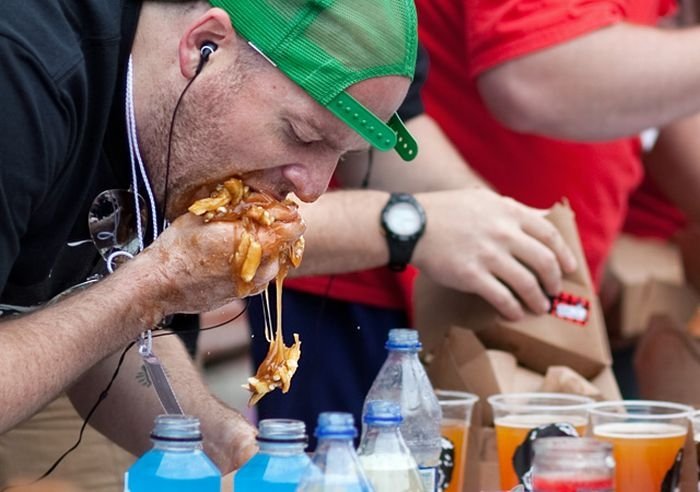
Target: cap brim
x=383, y=136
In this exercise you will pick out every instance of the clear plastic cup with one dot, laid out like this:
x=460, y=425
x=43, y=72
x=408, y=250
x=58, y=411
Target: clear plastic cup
x=515, y=414
x=646, y=437
x=456, y=409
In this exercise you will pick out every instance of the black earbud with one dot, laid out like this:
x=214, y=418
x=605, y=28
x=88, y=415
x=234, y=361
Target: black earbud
x=204, y=53
x=207, y=49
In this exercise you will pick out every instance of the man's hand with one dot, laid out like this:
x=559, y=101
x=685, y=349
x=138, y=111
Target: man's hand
x=480, y=242
x=192, y=260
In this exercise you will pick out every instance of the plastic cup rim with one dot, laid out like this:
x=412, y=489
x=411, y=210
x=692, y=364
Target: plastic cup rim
x=578, y=402
x=582, y=444
x=462, y=398
x=685, y=411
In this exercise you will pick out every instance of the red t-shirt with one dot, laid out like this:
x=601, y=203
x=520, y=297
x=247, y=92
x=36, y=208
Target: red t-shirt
x=379, y=287
x=465, y=38
x=652, y=215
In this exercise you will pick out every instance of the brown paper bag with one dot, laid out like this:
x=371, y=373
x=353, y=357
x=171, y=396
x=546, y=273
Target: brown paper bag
x=489, y=478
x=656, y=297
x=688, y=241
x=561, y=379
x=463, y=364
x=667, y=363
x=635, y=269
x=537, y=342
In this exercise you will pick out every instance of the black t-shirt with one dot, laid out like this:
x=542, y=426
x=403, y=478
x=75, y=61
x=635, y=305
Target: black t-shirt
x=62, y=135
x=412, y=105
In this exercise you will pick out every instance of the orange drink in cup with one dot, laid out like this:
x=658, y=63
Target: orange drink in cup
x=456, y=409
x=646, y=437
x=516, y=414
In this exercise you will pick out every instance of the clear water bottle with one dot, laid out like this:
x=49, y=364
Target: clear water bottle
x=383, y=453
x=176, y=463
x=281, y=461
x=402, y=379
x=335, y=466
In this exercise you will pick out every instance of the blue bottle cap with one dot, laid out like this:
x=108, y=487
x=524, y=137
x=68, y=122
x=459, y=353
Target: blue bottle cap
x=403, y=339
x=282, y=431
x=336, y=424
x=382, y=412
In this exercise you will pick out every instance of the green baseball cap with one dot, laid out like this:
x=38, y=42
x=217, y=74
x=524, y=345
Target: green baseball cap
x=325, y=46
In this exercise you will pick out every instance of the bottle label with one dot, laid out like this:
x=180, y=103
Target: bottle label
x=428, y=475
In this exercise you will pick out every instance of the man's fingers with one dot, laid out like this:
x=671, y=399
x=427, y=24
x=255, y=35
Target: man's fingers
x=542, y=230
x=541, y=260
x=495, y=293
x=522, y=282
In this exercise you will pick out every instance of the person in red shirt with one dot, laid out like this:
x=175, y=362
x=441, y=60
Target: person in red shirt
x=544, y=99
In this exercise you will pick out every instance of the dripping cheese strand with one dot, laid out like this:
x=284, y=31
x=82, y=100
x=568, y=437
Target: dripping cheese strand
x=266, y=315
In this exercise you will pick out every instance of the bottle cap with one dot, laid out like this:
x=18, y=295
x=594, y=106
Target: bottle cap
x=282, y=431
x=336, y=424
x=403, y=339
x=384, y=412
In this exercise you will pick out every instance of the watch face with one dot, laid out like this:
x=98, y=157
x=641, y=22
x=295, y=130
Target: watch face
x=403, y=219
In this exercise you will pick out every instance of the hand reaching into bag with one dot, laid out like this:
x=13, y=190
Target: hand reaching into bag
x=479, y=242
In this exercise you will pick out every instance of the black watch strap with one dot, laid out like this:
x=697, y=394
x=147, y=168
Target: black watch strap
x=400, y=246
x=400, y=254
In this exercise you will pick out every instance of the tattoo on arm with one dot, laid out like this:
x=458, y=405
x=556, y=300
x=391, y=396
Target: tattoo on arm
x=143, y=378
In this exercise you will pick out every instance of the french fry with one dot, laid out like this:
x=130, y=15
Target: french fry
x=252, y=261
x=220, y=198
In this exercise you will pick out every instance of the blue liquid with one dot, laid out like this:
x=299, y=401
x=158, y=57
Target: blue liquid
x=270, y=473
x=158, y=471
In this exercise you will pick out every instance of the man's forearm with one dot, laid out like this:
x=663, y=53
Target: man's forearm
x=126, y=416
x=613, y=82
x=344, y=233
x=674, y=164
x=43, y=352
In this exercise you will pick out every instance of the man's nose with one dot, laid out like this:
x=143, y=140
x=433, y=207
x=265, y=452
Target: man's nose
x=311, y=179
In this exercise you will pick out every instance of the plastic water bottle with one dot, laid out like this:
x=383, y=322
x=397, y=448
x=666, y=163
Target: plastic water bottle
x=335, y=467
x=281, y=461
x=383, y=453
x=402, y=379
x=176, y=463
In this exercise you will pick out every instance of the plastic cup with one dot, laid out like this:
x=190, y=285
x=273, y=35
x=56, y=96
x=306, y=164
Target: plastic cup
x=456, y=409
x=696, y=437
x=516, y=414
x=646, y=437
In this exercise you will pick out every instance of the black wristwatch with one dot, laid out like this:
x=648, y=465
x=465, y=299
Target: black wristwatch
x=403, y=220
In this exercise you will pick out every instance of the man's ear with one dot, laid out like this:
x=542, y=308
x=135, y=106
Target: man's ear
x=213, y=26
